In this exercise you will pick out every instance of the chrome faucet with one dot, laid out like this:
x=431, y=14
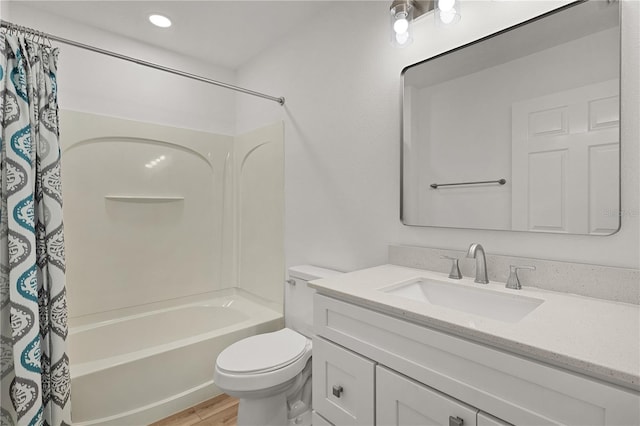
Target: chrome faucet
x=477, y=252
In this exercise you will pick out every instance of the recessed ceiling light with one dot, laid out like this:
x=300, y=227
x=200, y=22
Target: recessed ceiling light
x=160, y=21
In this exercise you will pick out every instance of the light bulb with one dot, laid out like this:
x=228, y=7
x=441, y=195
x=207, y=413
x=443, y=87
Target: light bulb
x=401, y=16
x=160, y=21
x=448, y=16
x=402, y=38
x=446, y=5
x=401, y=25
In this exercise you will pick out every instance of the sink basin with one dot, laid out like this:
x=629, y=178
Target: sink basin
x=478, y=301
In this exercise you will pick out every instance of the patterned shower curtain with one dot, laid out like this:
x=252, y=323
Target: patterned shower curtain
x=34, y=369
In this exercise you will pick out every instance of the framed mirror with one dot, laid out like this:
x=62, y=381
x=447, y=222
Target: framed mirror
x=520, y=130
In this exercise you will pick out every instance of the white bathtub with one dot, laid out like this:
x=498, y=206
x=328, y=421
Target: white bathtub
x=138, y=365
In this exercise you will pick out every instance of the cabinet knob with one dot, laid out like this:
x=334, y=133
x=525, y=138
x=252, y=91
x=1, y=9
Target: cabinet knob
x=291, y=281
x=337, y=391
x=455, y=421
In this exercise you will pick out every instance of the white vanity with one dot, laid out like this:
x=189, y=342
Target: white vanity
x=393, y=349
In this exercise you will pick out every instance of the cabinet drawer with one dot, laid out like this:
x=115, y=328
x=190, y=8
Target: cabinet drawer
x=343, y=384
x=403, y=402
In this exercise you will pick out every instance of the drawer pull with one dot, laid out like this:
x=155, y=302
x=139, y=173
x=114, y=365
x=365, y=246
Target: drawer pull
x=455, y=421
x=337, y=391
x=291, y=281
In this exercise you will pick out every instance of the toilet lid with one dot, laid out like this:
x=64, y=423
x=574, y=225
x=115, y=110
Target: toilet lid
x=263, y=352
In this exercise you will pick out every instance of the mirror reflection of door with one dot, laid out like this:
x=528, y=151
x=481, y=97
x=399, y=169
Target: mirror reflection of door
x=565, y=158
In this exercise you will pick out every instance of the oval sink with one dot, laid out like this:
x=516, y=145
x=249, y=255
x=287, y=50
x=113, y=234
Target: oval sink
x=478, y=301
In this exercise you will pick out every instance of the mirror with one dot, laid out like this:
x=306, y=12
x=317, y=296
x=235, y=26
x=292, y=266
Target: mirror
x=519, y=130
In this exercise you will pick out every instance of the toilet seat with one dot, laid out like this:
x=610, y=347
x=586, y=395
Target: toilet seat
x=263, y=352
x=262, y=361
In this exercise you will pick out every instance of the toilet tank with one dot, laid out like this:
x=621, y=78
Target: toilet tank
x=298, y=297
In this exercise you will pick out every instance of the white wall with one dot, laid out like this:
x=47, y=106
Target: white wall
x=96, y=83
x=341, y=79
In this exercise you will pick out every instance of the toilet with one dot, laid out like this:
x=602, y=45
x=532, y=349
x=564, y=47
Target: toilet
x=271, y=373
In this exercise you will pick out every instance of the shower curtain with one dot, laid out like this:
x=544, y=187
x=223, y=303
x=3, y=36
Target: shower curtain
x=34, y=368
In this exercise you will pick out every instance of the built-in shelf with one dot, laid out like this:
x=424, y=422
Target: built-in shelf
x=143, y=198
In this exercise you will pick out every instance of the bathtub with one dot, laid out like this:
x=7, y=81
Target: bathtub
x=137, y=365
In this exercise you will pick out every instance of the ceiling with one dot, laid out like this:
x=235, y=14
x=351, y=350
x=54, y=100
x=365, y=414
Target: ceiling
x=226, y=33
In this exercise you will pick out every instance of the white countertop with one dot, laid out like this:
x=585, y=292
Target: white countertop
x=594, y=337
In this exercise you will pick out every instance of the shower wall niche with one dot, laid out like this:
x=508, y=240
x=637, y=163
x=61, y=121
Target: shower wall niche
x=154, y=213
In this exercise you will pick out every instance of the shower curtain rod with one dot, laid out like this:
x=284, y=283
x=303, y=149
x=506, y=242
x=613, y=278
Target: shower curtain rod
x=11, y=26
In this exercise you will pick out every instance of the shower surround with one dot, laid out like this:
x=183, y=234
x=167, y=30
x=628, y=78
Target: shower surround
x=172, y=255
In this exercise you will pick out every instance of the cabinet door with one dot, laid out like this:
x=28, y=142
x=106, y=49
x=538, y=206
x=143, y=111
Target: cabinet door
x=485, y=419
x=342, y=385
x=403, y=402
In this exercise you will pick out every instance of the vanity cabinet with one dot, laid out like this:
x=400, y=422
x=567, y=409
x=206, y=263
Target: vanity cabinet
x=429, y=377
x=344, y=394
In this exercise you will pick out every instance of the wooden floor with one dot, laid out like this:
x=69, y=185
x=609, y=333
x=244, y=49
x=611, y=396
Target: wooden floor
x=219, y=411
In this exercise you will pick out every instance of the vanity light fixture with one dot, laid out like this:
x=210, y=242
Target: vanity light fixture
x=160, y=20
x=448, y=12
x=402, y=13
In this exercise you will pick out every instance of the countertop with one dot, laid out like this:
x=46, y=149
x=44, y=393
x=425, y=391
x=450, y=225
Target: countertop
x=594, y=337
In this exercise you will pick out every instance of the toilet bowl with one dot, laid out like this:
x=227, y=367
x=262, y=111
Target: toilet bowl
x=265, y=373
x=271, y=373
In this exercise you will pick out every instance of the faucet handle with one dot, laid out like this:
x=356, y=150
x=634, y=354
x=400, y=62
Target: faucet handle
x=455, y=269
x=513, y=281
